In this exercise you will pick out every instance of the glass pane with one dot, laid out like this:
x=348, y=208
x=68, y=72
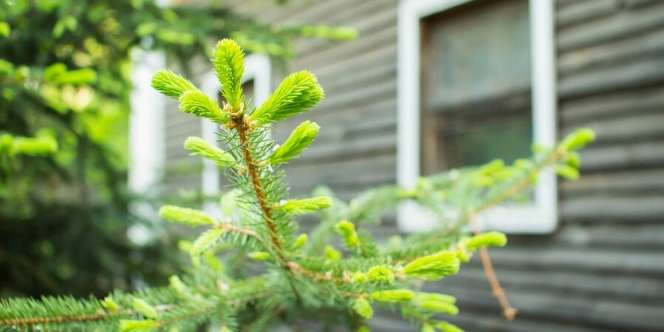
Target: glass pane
x=476, y=140
x=477, y=51
x=476, y=103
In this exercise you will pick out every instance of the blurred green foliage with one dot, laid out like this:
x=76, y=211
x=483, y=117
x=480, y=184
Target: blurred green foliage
x=64, y=78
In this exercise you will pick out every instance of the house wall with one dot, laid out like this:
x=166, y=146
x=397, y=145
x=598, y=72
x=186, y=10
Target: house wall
x=603, y=269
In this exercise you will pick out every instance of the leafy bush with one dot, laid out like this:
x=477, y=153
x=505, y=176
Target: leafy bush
x=338, y=272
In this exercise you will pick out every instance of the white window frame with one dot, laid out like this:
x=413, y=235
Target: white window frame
x=537, y=218
x=257, y=67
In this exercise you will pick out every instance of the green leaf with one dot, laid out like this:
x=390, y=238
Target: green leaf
x=363, y=308
x=34, y=146
x=228, y=63
x=299, y=139
x=171, y=84
x=5, y=29
x=185, y=216
x=434, y=266
x=200, y=147
x=297, y=93
x=307, y=205
x=198, y=103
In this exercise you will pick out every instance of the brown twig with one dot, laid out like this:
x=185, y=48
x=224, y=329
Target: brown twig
x=29, y=321
x=252, y=169
x=498, y=291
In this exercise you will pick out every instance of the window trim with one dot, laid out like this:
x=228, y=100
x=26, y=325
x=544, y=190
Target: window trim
x=146, y=124
x=537, y=218
x=256, y=67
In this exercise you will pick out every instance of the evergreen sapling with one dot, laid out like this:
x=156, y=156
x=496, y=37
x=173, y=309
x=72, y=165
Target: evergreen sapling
x=338, y=272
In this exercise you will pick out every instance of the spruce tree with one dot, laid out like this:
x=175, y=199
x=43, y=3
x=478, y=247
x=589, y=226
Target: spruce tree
x=338, y=272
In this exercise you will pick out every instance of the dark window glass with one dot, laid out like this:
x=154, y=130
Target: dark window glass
x=476, y=81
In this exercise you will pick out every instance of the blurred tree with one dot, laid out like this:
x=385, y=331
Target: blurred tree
x=64, y=76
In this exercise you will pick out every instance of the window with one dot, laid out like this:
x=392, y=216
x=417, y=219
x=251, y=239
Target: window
x=256, y=85
x=476, y=82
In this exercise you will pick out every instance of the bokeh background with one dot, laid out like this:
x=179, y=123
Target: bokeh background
x=81, y=220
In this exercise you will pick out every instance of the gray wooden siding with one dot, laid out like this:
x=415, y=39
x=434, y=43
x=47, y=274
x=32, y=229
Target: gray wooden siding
x=603, y=269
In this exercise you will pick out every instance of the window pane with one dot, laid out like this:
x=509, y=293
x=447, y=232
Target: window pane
x=476, y=85
x=477, y=51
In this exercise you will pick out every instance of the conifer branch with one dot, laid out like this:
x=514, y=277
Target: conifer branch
x=312, y=274
x=253, y=170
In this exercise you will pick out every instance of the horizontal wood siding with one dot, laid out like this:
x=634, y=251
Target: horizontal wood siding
x=603, y=268
x=356, y=147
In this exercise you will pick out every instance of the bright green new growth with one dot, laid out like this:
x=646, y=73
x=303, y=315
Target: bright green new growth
x=201, y=147
x=347, y=231
x=433, y=267
x=40, y=145
x=185, y=216
x=171, y=84
x=488, y=239
x=300, y=241
x=380, y=273
x=298, y=141
x=259, y=255
x=331, y=254
x=363, y=308
x=297, y=93
x=205, y=241
x=127, y=325
x=306, y=205
x=145, y=308
x=447, y=327
x=197, y=103
x=393, y=295
x=298, y=271
x=228, y=61
x=578, y=139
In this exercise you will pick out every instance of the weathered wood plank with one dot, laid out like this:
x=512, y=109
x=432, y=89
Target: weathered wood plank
x=647, y=45
x=614, y=209
x=636, y=74
x=616, y=183
x=346, y=172
x=614, y=261
x=585, y=285
x=635, y=100
x=583, y=12
x=624, y=24
x=634, y=127
x=645, y=237
x=623, y=156
x=376, y=31
x=610, y=315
